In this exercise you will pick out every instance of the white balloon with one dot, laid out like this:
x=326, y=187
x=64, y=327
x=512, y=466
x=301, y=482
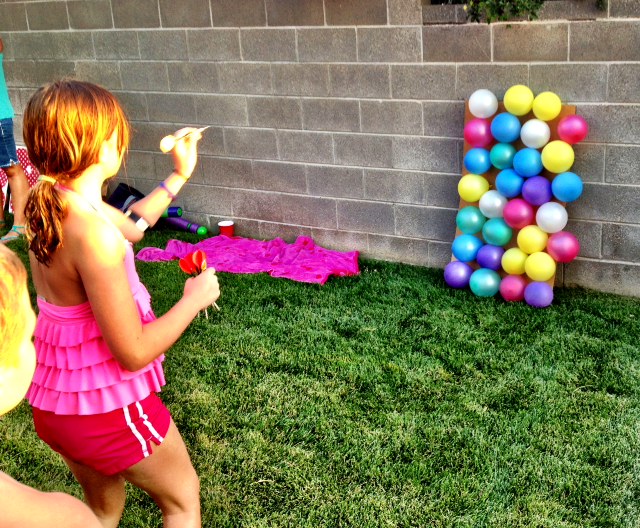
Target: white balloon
x=535, y=133
x=552, y=217
x=491, y=204
x=483, y=103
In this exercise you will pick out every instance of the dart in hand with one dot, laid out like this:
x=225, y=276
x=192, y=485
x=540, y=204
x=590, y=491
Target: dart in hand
x=194, y=264
x=169, y=142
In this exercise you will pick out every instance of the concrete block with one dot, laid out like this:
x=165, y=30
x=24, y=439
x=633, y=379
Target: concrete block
x=391, y=117
x=363, y=150
x=613, y=123
x=495, y=77
x=229, y=110
x=622, y=164
x=186, y=14
x=213, y=44
x=405, y=12
x=245, y=78
x=368, y=217
x=147, y=136
x=301, y=79
x=150, y=76
x=139, y=14
x=238, y=14
x=257, y=205
x=294, y=12
x=139, y=165
x=163, y=45
x=589, y=162
x=428, y=154
x=394, y=186
x=338, y=182
x=204, y=199
x=575, y=82
x=607, y=203
x=310, y=147
x=228, y=172
x=443, y=119
x=327, y=44
x=443, y=14
x=389, y=44
x=457, y=43
x=268, y=44
x=172, y=108
x=116, y=45
x=340, y=115
x=571, y=10
x=589, y=234
x=309, y=211
x=36, y=73
x=198, y=77
x=13, y=17
x=280, y=177
x=288, y=233
x=621, y=242
x=439, y=254
x=135, y=104
x=212, y=142
x=46, y=16
x=397, y=249
x=624, y=80
x=624, y=9
x=340, y=240
x=359, y=80
x=423, y=81
x=617, y=40
x=356, y=13
x=95, y=14
x=57, y=45
x=274, y=112
x=104, y=73
x=442, y=190
x=251, y=143
x=526, y=42
x=611, y=277
x=430, y=223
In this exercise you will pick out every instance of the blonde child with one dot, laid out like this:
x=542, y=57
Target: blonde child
x=21, y=505
x=99, y=346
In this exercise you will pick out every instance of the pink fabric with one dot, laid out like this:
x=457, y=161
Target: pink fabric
x=75, y=372
x=302, y=261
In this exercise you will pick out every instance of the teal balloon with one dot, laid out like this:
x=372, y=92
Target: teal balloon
x=484, y=282
x=496, y=231
x=501, y=155
x=470, y=220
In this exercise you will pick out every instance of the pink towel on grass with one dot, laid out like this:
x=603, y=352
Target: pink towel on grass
x=302, y=261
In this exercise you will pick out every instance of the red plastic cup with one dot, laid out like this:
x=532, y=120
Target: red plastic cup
x=226, y=227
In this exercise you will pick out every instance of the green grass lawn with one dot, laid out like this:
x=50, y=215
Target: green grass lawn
x=390, y=399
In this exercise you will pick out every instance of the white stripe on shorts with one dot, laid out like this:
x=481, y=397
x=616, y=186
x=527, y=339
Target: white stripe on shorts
x=145, y=418
x=135, y=432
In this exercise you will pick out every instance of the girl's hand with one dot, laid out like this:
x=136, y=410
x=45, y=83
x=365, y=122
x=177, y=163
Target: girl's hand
x=203, y=290
x=185, y=151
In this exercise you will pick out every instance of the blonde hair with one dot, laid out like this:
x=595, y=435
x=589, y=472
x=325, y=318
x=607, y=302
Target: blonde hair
x=64, y=125
x=13, y=286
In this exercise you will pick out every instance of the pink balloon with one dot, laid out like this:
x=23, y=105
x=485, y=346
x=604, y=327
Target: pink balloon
x=477, y=133
x=563, y=246
x=518, y=213
x=572, y=129
x=512, y=288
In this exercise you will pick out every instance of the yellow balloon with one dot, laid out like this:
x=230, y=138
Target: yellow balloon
x=540, y=266
x=513, y=261
x=547, y=106
x=472, y=186
x=532, y=239
x=557, y=156
x=518, y=100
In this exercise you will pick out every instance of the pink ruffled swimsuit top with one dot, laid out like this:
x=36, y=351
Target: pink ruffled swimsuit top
x=76, y=373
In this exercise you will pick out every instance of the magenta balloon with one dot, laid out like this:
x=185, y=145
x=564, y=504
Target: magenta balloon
x=563, y=246
x=477, y=133
x=518, y=213
x=512, y=288
x=572, y=129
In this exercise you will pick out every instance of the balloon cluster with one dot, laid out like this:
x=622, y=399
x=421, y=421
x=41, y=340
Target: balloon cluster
x=511, y=234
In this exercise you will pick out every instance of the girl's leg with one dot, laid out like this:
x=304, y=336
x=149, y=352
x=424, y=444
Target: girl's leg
x=104, y=494
x=168, y=476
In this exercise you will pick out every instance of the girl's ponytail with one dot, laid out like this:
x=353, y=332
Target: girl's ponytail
x=44, y=212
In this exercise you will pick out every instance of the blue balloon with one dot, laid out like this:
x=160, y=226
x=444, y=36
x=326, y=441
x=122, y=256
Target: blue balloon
x=505, y=128
x=502, y=155
x=484, y=282
x=477, y=161
x=509, y=183
x=465, y=247
x=567, y=187
x=527, y=162
x=470, y=220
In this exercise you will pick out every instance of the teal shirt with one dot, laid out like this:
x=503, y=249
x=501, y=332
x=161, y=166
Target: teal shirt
x=6, y=110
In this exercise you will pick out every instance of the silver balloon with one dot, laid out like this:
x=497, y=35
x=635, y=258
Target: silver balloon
x=483, y=103
x=535, y=133
x=551, y=217
x=492, y=204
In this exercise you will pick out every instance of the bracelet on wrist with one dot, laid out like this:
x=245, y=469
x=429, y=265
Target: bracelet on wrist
x=163, y=185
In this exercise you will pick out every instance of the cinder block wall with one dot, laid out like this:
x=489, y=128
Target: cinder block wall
x=343, y=120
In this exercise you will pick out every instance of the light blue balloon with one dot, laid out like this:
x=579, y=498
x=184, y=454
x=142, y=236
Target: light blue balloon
x=567, y=187
x=527, y=162
x=505, y=128
x=477, y=161
x=465, y=247
x=509, y=183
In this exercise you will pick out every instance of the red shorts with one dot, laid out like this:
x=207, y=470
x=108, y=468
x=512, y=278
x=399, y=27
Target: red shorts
x=109, y=442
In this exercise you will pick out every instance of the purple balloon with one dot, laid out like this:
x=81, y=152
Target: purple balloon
x=457, y=274
x=490, y=256
x=537, y=190
x=538, y=294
